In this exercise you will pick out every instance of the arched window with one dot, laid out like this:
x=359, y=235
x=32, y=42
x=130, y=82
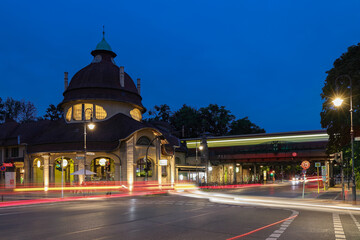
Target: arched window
x=104, y=168
x=143, y=140
x=76, y=112
x=143, y=167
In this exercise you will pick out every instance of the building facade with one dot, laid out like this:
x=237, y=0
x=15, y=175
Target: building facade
x=121, y=147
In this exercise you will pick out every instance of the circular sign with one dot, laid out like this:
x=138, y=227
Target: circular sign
x=305, y=164
x=102, y=161
x=2, y=168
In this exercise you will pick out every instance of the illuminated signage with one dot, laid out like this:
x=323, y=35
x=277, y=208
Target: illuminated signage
x=163, y=162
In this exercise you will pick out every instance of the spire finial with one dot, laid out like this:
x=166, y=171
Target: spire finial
x=103, y=31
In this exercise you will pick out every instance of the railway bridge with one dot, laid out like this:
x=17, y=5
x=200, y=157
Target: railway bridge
x=258, y=157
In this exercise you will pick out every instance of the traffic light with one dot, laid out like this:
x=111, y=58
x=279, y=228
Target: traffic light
x=58, y=165
x=337, y=157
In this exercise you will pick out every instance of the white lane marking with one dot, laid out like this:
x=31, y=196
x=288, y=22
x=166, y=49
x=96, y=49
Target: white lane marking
x=277, y=233
x=338, y=229
x=355, y=221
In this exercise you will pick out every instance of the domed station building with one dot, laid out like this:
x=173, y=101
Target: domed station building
x=103, y=95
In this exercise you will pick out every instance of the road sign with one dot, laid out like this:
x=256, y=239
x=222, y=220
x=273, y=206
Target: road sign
x=2, y=168
x=305, y=164
x=304, y=171
x=90, y=153
x=79, y=158
x=318, y=164
x=19, y=164
x=163, y=162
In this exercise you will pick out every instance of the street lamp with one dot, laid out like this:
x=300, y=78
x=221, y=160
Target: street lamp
x=337, y=102
x=147, y=166
x=201, y=147
x=91, y=126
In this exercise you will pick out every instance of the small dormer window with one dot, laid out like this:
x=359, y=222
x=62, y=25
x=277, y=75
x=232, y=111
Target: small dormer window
x=68, y=114
x=136, y=114
x=89, y=111
x=77, y=113
x=100, y=112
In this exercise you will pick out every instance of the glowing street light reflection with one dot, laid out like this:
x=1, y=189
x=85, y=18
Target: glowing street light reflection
x=338, y=101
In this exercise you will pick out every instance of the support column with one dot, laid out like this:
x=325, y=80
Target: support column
x=157, y=158
x=46, y=171
x=172, y=170
x=234, y=173
x=130, y=163
x=241, y=173
x=81, y=166
x=255, y=173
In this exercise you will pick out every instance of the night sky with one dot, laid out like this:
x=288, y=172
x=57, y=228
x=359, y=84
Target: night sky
x=262, y=59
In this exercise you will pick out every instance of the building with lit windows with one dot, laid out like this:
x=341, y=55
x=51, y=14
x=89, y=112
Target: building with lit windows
x=104, y=94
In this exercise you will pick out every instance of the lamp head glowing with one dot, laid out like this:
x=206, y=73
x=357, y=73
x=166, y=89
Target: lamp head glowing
x=91, y=126
x=201, y=147
x=338, y=101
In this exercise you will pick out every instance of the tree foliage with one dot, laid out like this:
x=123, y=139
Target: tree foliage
x=337, y=120
x=20, y=111
x=190, y=122
x=244, y=126
x=53, y=113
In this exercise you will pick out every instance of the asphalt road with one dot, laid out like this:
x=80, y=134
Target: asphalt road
x=287, y=190
x=171, y=217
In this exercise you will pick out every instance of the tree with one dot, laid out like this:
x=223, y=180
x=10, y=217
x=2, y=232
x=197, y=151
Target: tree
x=216, y=120
x=160, y=113
x=20, y=111
x=187, y=121
x=28, y=111
x=337, y=120
x=2, y=111
x=54, y=113
x=244, y=126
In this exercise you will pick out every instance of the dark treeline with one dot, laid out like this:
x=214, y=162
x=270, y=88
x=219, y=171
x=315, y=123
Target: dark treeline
x=25, y=111
x=190, y=122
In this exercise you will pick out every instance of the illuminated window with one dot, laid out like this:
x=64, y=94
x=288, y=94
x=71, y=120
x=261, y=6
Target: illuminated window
x=68, y=115
x=88, y=110
x=77, y=112
x=142, y=168
x=136, y=114
x=100, y=112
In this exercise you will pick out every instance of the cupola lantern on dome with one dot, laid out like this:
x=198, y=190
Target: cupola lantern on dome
x=103, y=46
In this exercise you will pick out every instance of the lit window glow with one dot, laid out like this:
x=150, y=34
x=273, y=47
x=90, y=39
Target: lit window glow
x=77, y=114
x=68, y=114
x=136, y=114
x=100, y=112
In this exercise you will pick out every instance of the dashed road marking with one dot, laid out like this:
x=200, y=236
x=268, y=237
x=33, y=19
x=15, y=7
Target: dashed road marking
x=338, y=229
x=355, y=221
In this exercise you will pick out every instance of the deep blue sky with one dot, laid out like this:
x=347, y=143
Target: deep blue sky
x=261, y=59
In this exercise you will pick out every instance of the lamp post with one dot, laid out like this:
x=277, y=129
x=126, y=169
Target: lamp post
x=201, y=147
x=146, y=155
x=91, y=126
x=337, y=102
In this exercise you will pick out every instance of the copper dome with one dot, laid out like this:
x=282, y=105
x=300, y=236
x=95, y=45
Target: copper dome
x=100, y=80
